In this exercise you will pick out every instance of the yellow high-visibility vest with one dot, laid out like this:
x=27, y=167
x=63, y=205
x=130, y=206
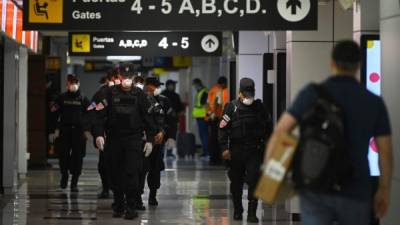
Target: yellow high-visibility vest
x=199, y=110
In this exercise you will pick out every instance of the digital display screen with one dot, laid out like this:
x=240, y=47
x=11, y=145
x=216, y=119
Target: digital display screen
x=372, y=78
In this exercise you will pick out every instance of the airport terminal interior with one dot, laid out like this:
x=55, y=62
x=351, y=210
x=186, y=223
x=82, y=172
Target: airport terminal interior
x=190, y=47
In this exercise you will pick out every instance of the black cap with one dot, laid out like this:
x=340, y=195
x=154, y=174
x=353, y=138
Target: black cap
x=153, y=81
x=247, y=87
x=171, y=82
x=222, y=81
x=126, y=71
x=138, y=79
x=72, y=78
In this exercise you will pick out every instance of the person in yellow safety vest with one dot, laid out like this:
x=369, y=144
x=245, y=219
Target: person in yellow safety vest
x=199, y=113
x=217, y=99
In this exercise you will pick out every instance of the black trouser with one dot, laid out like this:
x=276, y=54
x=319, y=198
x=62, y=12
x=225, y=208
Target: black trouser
x=213, y=146
x=71, y=150
x=152, y=167
x=102, y=168
x=125, y=162
x=245, y=166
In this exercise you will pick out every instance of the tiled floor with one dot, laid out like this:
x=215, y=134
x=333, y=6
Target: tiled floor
x=192, y=193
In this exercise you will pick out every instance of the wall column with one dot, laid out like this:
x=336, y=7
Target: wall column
x=22, y=111
x=252, y=46
x=390, y=36
x=9, y=129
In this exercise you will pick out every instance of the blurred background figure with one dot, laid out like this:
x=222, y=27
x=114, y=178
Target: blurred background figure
x=178, y=108
x=199, y=113
x=217, y=99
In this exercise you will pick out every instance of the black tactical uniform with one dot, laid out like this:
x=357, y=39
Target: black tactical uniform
x=163, y=113
x=154, y=164
x=102, y=163
x=70, y=109
x=125, y=117
x=243, y=130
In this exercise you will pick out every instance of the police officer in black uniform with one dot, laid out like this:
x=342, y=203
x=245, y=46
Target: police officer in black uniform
x=242, y=136
x=92, y=119
x=125, y=112
x=70, y=108
x=162, y=112
x=179, y=108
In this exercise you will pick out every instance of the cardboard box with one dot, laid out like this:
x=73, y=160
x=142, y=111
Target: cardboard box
x=272, y=186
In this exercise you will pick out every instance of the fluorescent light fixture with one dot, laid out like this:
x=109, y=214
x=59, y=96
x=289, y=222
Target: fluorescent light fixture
x=124, y=58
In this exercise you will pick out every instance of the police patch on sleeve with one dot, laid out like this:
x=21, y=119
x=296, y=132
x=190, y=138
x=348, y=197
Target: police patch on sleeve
x=224, y=122
x=91, y=106
x=99, y=106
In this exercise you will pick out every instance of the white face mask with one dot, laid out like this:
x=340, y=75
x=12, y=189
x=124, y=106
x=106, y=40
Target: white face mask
x=73, y=87
x=248, y=101
x=140, y=86
x=110, y=83
x=117, y=82
x=157, y=91
x=127, y=83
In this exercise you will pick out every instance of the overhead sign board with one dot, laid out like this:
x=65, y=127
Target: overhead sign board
x=145, y=44
x=176, y=15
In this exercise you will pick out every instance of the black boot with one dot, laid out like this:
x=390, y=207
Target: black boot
x=152, y=198
x=238, y=209
x=252, y=211
x=64, y=181
x=130, y=214
x=118, y=210
x=74, y=183
x=139, y=204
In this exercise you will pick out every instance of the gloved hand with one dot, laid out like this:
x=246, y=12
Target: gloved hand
x=56, y=134
x=51, y=138
x=170, y=144
x=148, y=148
x=100, y=143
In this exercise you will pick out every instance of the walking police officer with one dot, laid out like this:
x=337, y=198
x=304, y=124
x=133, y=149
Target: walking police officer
x=70, y=108
x=91, y=121
x=242, y=136
x=125, y=110
x=162, y=112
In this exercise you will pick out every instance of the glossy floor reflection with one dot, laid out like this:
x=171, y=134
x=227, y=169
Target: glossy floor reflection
x=192, y=193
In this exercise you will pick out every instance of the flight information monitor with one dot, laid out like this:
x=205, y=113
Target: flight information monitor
x=371, y=76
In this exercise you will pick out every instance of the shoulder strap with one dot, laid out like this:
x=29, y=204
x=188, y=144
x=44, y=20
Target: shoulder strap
x=323, y=93
x=235, y=105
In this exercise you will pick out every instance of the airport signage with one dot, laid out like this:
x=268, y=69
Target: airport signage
x=145, y=44
x=172, y=15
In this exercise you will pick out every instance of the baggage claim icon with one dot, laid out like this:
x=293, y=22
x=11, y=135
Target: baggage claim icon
x=80, y=43
x=294, y=10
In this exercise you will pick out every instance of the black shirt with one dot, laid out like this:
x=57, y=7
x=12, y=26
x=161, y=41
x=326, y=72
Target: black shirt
x=175, y=100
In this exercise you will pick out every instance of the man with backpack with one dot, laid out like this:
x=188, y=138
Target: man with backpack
x=337, y=120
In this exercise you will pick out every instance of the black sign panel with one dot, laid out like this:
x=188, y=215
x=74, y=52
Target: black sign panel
x=177, y=15
x=146, y=44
